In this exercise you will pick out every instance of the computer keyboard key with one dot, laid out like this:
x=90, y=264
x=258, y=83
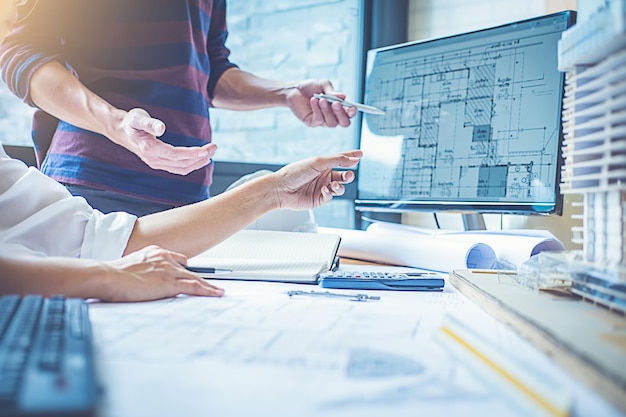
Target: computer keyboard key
x=45, y=369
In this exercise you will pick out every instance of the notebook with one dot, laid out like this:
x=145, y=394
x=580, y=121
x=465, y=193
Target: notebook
x=268, y=255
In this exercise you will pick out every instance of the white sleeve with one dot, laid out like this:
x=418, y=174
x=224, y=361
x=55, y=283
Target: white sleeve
x=39, y=214
x=106, y=235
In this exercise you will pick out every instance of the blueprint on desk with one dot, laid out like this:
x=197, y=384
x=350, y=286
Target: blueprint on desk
x=259, y=352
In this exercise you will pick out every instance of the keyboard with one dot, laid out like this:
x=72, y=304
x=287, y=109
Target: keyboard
x=46, y=358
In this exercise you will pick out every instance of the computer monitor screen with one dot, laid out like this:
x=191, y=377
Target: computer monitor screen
x=472, y=122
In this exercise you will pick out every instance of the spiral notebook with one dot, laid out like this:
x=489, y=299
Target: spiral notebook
x=268, y=255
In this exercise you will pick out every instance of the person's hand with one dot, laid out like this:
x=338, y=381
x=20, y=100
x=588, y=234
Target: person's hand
x=153, y=273
x=313, y=182
x=138, y=133
x=315, y=112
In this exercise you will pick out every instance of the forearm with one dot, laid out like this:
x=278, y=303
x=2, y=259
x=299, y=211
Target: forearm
x=197, y=227
x=240, y=90
x=194, y=228
x=48, y=276
x=57, y=92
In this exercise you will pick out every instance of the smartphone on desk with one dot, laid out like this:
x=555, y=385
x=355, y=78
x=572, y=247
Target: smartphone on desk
x=418, y=281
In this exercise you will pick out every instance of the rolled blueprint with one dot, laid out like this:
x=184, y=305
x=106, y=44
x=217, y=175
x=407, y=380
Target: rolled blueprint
x=414, y=250
x=512, y=246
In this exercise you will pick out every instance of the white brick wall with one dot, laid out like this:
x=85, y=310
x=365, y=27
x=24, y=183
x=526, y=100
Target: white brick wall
x=288, y=40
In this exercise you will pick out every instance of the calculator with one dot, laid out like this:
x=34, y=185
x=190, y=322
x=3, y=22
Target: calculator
x=421, y=281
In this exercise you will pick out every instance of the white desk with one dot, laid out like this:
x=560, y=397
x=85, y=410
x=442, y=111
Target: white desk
x=258, y=352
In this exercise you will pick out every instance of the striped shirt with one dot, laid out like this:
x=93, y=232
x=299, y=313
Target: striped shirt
x=161, y=55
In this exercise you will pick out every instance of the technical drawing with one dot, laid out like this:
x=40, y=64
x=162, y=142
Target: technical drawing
x=478, y=121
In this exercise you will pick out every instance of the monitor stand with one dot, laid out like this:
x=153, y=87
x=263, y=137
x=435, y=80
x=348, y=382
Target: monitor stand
x=369, y=217
x=474, y=221
x=471, y=221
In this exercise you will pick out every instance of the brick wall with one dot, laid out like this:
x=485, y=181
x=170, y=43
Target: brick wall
x=288, y=40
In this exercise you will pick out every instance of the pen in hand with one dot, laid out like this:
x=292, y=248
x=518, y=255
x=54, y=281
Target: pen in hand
x=360, y=107
x=207, y=270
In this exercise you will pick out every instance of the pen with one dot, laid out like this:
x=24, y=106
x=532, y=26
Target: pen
x=361, y=107
x=421, y=274
x=207, y=270
x=353, y=297
x=494, y=271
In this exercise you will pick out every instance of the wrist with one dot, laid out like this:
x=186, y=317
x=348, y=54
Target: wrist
x=99, y=281
x=266, y=191
x=83, y=278
x=275, y=191
x=112, y=121
x=285, y=92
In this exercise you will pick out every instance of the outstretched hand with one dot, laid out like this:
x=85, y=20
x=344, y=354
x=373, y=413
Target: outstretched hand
x=313, y=182
x=314, y=112
x=153, y=273
x=138, y=133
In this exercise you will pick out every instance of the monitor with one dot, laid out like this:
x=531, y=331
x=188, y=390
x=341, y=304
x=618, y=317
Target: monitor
x=472, y=122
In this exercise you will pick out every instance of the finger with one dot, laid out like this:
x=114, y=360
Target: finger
x=357, y=153
x=336, y=189
x=176, y=258
x=180, y=167
x=344, y=177
x=328, y=88
x=148, y=124
x=347, y=177
x=190, y=154
x=180, y=160
x=344, y=160
x=326, y=196
x=198, y=287
x=181, y=272
x=324, y=163
x=328, y=114
x=351, y=112
x=341, y=115
x=207, y=284
x=156, y=149
x=349, y=159
x=182, y=153
x=195, y=165
x=191, y=279
x=318, y=118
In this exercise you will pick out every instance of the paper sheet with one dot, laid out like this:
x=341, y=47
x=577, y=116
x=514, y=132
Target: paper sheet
x=258, y=352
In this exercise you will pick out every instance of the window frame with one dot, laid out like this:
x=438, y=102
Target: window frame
x=381, y=23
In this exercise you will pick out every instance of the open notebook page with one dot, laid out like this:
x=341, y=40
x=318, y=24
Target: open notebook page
x=271, y=255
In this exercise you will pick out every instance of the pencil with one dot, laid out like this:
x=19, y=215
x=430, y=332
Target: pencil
x=536, y=391
x=494, y=271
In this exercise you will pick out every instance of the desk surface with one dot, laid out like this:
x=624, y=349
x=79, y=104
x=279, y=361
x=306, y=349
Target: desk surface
x=259, y=352
x=585, y=338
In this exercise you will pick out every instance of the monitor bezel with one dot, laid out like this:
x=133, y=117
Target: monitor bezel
x=530, y=208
